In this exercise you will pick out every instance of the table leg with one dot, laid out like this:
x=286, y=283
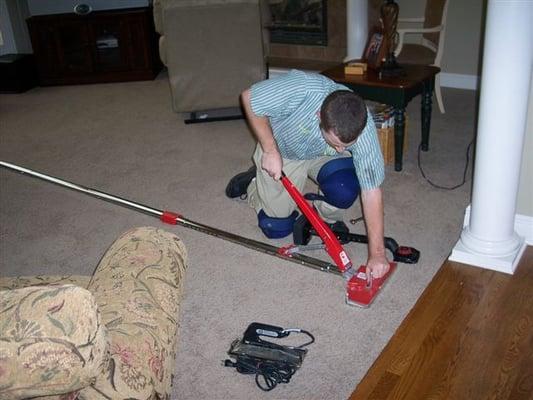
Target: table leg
x=427, y=95
x=399, y=134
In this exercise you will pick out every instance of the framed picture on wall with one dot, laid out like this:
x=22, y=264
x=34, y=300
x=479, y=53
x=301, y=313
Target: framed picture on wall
x=375, y=50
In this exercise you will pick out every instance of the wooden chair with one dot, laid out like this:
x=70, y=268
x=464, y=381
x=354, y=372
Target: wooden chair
x=431, y=47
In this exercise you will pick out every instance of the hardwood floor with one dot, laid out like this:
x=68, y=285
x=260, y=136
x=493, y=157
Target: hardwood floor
x=469, y=336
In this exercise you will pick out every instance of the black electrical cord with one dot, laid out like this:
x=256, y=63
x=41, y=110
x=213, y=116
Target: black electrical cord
x=271, y=372
x=305, y=333
x=464, y=172
x=272, y=375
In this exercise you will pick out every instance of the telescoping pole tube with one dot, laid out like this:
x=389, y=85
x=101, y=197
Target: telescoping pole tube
x=176, y=219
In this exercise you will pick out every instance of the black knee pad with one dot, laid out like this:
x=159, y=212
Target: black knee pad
x=338, y=182
x=276, y=228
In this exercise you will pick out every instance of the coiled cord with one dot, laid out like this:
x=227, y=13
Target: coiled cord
x=268, y=373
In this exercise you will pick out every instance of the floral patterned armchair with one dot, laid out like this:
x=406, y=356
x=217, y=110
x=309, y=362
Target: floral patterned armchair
x=109, y=336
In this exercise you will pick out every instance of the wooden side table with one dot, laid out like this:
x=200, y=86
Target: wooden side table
x=397, y=92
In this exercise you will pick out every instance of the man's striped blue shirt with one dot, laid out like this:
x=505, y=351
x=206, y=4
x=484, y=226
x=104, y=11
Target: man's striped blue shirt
x=292, y=104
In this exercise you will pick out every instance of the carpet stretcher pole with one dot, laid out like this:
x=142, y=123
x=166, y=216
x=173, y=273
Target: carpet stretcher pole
x=172, y=218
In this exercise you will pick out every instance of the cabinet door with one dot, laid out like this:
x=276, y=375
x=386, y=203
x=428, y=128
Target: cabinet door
x=139, y=41
x=110, y=38
x=61, y=47
x=44, y=43
x=74, y=47
x=120, y=41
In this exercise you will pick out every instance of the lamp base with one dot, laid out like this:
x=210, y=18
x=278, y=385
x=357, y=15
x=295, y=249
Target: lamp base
x=391, y=68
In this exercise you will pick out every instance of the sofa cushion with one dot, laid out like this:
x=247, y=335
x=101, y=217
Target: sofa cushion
x=17, y=282
x=51, y=341
x=137, y=286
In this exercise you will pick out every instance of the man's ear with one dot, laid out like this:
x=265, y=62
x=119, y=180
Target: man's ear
x=318, y=115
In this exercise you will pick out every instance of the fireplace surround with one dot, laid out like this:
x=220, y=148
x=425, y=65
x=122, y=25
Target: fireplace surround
x=331, y=52
x=302, y=22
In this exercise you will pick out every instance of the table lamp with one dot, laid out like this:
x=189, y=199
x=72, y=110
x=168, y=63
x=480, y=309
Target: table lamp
x=389, y=17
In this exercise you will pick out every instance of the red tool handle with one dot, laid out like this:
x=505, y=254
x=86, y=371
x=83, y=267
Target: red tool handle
x=332, y=244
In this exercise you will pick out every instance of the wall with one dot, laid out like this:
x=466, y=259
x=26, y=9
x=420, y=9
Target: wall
x=462, y=40
x=15, y=36
x=8, y=41
x=18, y=13
x=464, y=34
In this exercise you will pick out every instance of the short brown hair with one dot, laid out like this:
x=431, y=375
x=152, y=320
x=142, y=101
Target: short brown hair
x=344, y=113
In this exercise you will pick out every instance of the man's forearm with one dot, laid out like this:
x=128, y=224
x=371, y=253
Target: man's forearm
x=271, y=160
x=259, y=125
x=373, y=212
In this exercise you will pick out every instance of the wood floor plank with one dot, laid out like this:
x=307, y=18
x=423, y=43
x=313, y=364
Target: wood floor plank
x=523, y=387
x=515, y=322
x=409, y=337
x=443, y=338
x=474, y=349
x=470, y=336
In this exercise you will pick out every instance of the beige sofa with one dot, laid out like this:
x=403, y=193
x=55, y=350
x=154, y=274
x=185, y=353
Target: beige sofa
x=109, y=336
x=213, y=50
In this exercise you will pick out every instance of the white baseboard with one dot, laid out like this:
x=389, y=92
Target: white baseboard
x=523, y=225
x=506, y=264
x=457, y=81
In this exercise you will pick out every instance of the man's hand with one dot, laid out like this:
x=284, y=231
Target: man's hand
x=272, y=163
x=377, y=266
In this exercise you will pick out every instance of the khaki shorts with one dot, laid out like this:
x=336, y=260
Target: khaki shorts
x=264, y=193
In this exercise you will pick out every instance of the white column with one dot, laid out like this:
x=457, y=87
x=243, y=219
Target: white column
x=489, y=240
x=356, y=27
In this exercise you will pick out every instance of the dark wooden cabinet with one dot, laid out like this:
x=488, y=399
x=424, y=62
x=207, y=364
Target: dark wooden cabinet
x=103, y=46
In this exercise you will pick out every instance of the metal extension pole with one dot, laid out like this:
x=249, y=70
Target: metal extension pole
x=176, y=219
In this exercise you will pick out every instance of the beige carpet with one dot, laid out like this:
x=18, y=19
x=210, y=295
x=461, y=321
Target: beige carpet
x=124, y=139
